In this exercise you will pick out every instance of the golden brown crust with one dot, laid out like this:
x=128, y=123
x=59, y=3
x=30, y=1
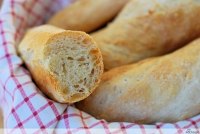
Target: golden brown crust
x=87, y=15
x=148, y=28
x=36, y=51
x=162, y=89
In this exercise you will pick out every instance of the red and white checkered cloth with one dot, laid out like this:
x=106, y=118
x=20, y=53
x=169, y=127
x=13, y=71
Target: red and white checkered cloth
x=25, y=108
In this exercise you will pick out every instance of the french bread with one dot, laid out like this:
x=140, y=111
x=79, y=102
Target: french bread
x=162, y=89
x=87, y=15
x=147, y=28
x=66, y=65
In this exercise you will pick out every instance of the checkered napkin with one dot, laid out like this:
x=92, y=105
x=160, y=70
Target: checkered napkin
x=26, y=109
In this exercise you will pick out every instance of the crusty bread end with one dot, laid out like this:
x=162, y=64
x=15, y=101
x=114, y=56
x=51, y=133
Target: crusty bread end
x=67, y=66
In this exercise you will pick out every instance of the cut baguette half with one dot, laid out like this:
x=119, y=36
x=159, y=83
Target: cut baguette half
x=66, y=65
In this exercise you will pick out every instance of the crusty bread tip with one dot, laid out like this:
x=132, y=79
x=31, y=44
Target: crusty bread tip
x=66, y=65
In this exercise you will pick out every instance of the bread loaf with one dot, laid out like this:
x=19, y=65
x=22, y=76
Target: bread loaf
x=87, y=15
x=66, y=65
x=162, y=89
x=147, y=28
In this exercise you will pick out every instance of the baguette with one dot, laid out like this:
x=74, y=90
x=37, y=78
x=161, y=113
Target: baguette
x=162, y=89
x=147, y=28
x=66, y=65
x=87, y=15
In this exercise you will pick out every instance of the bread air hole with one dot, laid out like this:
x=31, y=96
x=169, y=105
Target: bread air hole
x=63, y=68
x=76, y=86
x=92, y=72
x=81, y=81
x=81, y=90
x=81, y=59
x=70, y=58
